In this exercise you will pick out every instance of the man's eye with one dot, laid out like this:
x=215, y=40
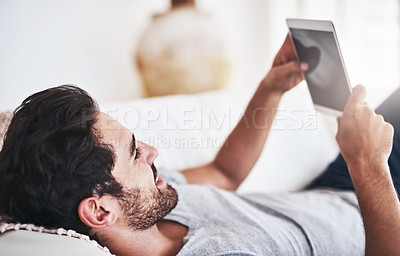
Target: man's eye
x=138, y=152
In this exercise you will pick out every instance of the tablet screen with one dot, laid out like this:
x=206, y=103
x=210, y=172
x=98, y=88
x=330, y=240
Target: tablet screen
x=389, y=109
x=326, y=77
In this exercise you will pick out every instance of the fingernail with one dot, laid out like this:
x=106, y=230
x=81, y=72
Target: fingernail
x=304, y=66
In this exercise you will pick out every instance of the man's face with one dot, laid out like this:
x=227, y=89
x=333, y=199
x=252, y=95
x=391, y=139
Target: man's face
x=146, y=197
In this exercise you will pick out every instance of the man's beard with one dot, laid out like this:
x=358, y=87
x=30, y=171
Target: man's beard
x=143, y=208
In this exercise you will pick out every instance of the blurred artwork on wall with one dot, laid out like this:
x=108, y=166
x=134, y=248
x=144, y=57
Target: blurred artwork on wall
x=183, y=51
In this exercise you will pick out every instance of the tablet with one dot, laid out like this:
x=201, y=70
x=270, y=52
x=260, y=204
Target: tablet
x=389, y=109
x=315, y=42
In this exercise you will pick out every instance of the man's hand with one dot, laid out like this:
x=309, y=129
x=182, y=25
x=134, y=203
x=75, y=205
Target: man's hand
x=365, y=141
x=363, y=137
x=285, y=54
x=286, y=71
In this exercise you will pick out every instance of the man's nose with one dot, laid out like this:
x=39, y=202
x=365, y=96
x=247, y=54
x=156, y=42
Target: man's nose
x=149, y=153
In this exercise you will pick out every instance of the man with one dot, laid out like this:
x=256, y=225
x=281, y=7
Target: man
x=65, y=164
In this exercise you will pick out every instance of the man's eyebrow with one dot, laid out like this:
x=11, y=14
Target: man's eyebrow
x=132, y=145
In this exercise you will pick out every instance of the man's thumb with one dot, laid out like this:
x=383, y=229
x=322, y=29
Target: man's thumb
x=292, y=67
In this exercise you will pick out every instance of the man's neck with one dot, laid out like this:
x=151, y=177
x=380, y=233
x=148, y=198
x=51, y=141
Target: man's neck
x=164, y=238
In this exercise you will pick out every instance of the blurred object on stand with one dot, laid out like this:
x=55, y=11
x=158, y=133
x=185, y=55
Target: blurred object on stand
x=183, y=51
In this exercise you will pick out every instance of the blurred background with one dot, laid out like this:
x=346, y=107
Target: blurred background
x=102, y=45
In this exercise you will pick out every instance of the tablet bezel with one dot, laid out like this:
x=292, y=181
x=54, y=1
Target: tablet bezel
x=326, y=26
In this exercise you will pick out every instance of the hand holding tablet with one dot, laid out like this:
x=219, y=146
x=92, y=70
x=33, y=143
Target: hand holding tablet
x=316, y=43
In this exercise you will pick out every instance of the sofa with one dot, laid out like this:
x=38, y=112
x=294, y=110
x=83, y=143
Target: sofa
x=187, y=130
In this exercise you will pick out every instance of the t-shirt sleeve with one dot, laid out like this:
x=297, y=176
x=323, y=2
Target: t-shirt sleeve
x=172, y=177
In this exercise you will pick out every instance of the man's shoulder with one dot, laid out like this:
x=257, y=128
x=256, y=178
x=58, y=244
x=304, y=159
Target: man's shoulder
x=172, y=177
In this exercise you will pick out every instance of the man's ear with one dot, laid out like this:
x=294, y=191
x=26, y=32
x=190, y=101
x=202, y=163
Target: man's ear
x=95, y=213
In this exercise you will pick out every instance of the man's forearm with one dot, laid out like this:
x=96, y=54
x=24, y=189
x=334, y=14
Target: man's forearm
x=243, y=146
x=245, y=143
x=379, y=206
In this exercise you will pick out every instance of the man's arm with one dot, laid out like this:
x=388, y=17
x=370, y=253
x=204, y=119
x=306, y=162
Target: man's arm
x=365, y=141
x=244, y=145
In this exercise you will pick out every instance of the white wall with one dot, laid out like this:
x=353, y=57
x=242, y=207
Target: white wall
x=91, y=42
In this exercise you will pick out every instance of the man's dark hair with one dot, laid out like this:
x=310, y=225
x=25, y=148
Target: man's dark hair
x=52, y=158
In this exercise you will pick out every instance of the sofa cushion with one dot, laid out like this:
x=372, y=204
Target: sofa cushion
x=28, y=239
x=188, y=130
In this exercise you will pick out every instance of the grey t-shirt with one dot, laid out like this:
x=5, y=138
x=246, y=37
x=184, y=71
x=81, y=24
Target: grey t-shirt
x=315, y=222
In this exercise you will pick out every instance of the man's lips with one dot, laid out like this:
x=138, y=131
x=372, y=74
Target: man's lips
x=160, y=181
